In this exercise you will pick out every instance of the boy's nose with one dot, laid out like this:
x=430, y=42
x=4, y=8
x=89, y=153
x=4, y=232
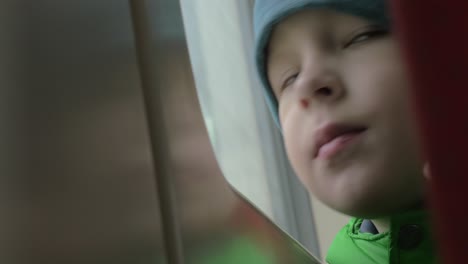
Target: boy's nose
x=323, y=88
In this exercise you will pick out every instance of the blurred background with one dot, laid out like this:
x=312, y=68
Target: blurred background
x=79, y=172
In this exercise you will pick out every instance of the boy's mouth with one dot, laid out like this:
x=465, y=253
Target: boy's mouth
x=331, y=138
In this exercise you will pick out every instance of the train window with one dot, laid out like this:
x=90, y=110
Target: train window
x=244, y=137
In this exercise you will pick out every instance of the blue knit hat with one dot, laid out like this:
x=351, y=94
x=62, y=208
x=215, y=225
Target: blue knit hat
x=267, y=13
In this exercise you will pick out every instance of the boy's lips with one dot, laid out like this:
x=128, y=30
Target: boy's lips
x=331, y=138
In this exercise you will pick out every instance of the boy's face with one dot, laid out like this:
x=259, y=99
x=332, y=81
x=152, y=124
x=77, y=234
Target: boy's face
x=345, y=113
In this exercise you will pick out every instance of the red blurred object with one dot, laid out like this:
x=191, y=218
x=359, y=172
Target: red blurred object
x=434, y=37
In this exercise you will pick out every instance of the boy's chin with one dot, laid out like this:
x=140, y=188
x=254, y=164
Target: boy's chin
x=360, y=194
x=373, y=207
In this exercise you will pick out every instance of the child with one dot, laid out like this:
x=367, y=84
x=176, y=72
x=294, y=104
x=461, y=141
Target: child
x=335, y=82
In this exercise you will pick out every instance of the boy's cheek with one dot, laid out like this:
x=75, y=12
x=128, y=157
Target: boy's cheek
x=296, y=157
x=386, y=94
x=284, y=112
x=298, y=144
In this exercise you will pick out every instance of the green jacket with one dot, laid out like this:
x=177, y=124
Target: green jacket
x=409, y=241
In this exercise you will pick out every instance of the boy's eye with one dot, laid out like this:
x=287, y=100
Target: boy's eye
x=368, y=34
x=289, y=80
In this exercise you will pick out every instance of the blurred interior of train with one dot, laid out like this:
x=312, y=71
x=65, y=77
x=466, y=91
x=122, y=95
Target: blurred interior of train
x=132, y=133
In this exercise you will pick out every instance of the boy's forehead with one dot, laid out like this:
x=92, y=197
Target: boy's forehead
x=323, y=23
x=268, y=14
